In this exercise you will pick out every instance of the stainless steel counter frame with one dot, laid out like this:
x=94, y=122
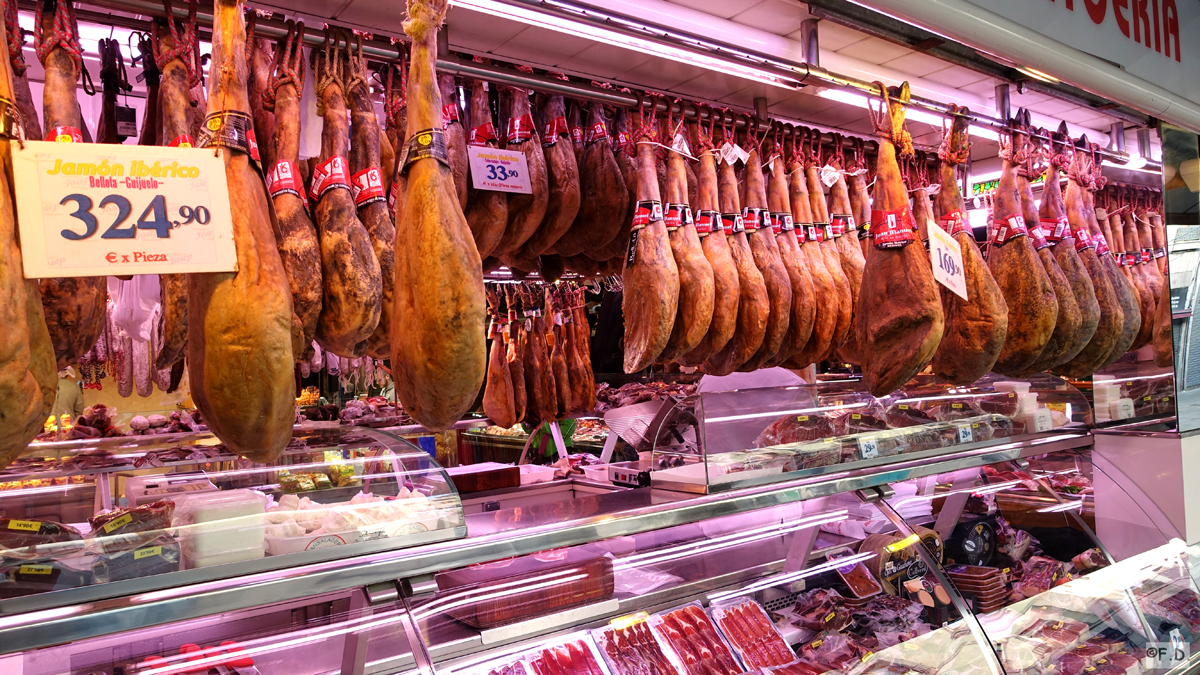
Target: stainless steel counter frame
x=57, y=618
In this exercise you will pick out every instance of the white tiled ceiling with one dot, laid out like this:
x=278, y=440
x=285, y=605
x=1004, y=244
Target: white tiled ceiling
x=875, y=50
x=774, y=16
x=723, y=8
x=956, y=76
x=916, y=64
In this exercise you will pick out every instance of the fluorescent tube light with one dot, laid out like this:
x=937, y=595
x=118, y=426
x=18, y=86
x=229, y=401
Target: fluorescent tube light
x=618, y=39
x=1039, y=75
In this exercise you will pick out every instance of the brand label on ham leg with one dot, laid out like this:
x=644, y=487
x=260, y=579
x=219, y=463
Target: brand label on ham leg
x=954, y=222
x=367, y=187
x=782, y=222
x=1083, y=239
x=555, y=127
x=811, y=233
x=1055, y=228
x=64, y=135
x=1101, y=244
x=1147, y=255
x=1160, y=252
x=229, y=129
x=864, y=230
x=449, y=115
x=182, y=141
x=707, y=222
x=427, y=143
x=332, y=173
x=596, y=132
x=1038, y=235
x=753, y=218
x=893, y=229
x=674, y=216
x=647, y=212
x=481, y=134
x=520, y=129
x=284, y=178
x=841, y=224
x=1007, y=229
x=732, y=223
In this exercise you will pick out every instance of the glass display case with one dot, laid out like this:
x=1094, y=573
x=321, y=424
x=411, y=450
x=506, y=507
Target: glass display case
x=722, y=440
x=89, y=519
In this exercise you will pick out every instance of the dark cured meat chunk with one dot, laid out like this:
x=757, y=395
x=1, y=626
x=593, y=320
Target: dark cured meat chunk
x=796, y=429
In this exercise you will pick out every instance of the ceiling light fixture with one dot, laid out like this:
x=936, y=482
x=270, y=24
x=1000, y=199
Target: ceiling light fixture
x=1039, y=75
x=912, y=113
x=585, y=29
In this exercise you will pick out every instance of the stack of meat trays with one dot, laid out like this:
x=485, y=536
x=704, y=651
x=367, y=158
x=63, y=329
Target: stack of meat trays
x=631, y=648
x=692, y=635
x=1093, y=659
x=1042, y=641
x=985, y=585
x=746, y=626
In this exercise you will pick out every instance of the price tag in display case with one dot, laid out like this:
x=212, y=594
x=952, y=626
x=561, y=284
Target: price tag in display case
x=868, y=447
x=96, y=210
x=499, y=170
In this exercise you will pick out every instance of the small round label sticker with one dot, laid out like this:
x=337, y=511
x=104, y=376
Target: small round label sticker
x=325, y=541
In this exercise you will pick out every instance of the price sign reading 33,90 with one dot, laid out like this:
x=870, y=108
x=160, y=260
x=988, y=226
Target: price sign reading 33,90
x=499, y=170
x=95, y=210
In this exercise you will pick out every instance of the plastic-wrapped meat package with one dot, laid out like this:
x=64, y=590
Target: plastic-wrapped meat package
x=1126, y=663
x=1039, y=576
x=900, y=415
x=693, y=637
x=1069, y=664
x=820, y=610
x=816, y=454
x=159, y=556
x=1000, y=403
x=33, y=539
x=884, y=668
x=796, y=429
x=832, y=650
x=514, y=668
x=949, y=411
x=1185, y=604
x=127, y=529
x=572, y=658
x=797, y=667
x=856, y=422
x=748, y=628
x=634, y=650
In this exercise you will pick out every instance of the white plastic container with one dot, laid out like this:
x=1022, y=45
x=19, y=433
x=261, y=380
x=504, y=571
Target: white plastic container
x=598, y=474
x=1120, y=409
x=1012, y=385
x=531, y=474
x=223, y=526
x=147, y=489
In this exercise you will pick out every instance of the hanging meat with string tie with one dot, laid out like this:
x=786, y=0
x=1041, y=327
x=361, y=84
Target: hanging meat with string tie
x=804, y=297
x=74, y=306
x=172, y=49
x=262, y=66
x=975, y=325
x=299, y=247
x=716, y=249
x=827, y=303
x=604, y=198
x=624, y=152
x=766, y=253
x=439, y=350
x=1068, y=325
x=1094, y=214
x=1143, y=279
x=1164, y=346
x=814, y=164
x=395, y=110
x=487, y=210
x=366, y=183
x=651, y=278
x=1017, y=268
x=456, y=136
x=845, y=234
x=20, y=80
x=514, y=346
x=28, y=375
x=754, y=304
x=152, y=116
x=525, y=211
x=353, y=289
x=498, y=402
x=695, y=308
x=240, y=362
x=900, y=320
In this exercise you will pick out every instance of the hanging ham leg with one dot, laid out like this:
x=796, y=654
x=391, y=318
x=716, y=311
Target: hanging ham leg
x=1142, y=279
x=240, y=363
x=651, y=278
x=845, y=237
x=395, y=107
x=351, y=303
x=456, y=136
x=369, y=197
x=28, y=376
x=74, y=306
x=707, y=218
x=804, y=295
x=829, y=248
x=827, y=302
x=498, y=402
x=487, y=210
x=1070, y=334
x=696, y=291
x=754, y=305
x=900, y=318
x=525, y=212
x=581, y=341
x=562, y=175
x=439, y=348
x=976, y=326
x=299, y=248
x=604, y=199
x=22, y=97
x=1017, y=268
x=624, y=152
x=768, y=260
x=514, y=346
x=152, y=116
x=262, y=64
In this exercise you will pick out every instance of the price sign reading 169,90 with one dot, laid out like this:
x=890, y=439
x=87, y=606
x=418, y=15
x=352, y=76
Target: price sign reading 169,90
x=97, y=210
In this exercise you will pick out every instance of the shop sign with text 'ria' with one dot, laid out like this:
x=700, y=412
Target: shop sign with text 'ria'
x=1154, y=40
x=96, y=210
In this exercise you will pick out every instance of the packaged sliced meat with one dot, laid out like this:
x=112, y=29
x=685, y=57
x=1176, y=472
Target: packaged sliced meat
x=795, y=429
x=947, y=411
x=158, y=556
x=821, y=610
x=33, y=539
x=907, y=415
x=1040, y=575
x=123, y=530
x=856, y=577
x=573, y=657
x=631, y=648
x=746, y=626
x=798, y=667
x=692, y=636
x=832, y=650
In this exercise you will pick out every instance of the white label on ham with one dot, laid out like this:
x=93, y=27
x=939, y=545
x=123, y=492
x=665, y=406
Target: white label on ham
x=499, y=170
x=742, y=153
x=945, y=256
x=829, y=175
x=728, y=154
x=680, y=145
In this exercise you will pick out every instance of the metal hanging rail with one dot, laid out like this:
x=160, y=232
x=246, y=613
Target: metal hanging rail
x=389, y=51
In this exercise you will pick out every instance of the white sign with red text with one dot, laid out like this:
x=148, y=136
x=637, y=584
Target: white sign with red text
x=97, y=210
x=500, y=170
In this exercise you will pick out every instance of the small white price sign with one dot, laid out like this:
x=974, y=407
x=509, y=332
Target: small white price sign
x=90, y=210
x=945, y=255
x=868, y=447
x=498, y=170
x=965, y=434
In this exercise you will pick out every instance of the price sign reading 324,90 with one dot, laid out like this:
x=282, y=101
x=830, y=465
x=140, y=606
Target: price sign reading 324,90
x=95, y=210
